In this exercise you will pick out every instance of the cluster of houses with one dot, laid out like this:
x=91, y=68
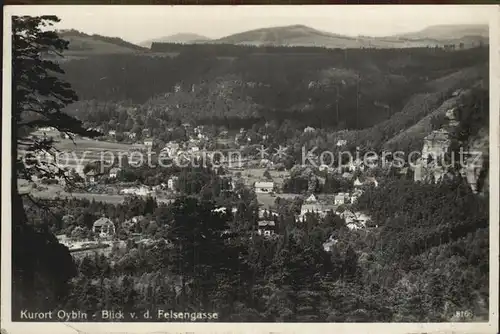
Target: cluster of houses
x=143, y=190
x=93, y=176
x=190, y=148
x=196, y=134
x=266, y=224
x=244, y=137
x=354, y=220
x=312, y=205
x=104, y=231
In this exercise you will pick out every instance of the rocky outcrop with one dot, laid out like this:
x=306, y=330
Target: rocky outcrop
x=473, y=161
x=476, y=167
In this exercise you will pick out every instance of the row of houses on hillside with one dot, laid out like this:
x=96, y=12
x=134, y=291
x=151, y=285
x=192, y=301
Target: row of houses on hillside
x=357, y=165
x=311, y=205
x=93, y=176
x=141, y=190
x=193, y=144
x=191, y=148
x=354, y=220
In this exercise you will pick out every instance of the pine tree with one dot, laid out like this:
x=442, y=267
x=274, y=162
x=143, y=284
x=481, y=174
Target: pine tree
x=38, y=99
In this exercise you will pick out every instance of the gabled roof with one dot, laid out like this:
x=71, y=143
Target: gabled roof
x=347, y=213
x=312, y=207
x=311, y=199
x=102, y=221
x=264, y=223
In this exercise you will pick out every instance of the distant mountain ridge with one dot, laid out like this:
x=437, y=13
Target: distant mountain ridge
x=176, y=38
x=284, y=35
x=301, y=35
x=447, y=32
x=82, y=44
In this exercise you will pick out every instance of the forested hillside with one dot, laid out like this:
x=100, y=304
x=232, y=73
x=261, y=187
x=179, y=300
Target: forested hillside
x=327, y=88
x=82, y=44
x=427, y=261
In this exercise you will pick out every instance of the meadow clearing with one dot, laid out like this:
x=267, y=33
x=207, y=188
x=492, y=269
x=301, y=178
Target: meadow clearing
x=78, y=152
x=266, y=201
x=56, y=191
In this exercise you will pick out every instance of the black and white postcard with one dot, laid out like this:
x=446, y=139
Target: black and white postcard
x=254, y=169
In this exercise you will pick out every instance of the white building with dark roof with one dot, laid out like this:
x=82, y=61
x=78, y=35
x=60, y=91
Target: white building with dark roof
x=172, y=182
x=341, y=142
x=341, y=199
x=266, y=227
x=103, y=227
x=113, y=172
x=264, y=187
x=91, y=176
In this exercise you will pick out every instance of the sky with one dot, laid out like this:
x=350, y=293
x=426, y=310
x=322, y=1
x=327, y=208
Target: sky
x=139, y=23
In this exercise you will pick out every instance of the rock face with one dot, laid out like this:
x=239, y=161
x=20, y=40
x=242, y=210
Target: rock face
x=432, y=167
x=473, y=171
x=477, y=164
x=436, y=145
